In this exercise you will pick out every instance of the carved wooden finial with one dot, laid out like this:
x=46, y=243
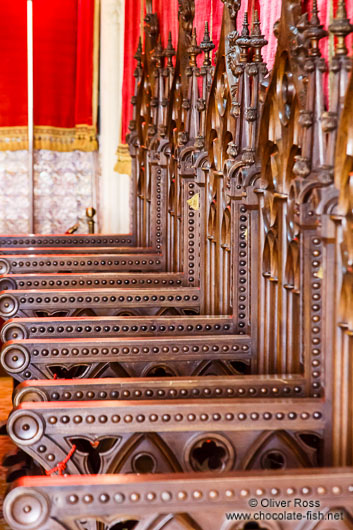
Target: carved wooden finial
x=315, y=31
x=169, y=52
x=244, y=41
x=258, y=40
x=315, y=14
x=207, y=46
x=138, y=54
x=245, y=27
x=193, y=50
x=90, y=213
x=340, y=28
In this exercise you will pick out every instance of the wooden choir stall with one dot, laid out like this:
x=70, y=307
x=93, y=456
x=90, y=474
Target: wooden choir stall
x=186, y=372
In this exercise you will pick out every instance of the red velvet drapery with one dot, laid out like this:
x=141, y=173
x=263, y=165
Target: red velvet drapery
x=211, y=10
x=131, y=37
x=13, y=64
x=65, y=69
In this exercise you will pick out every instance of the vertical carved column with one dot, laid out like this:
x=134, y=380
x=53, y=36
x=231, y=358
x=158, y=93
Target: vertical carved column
x=340, y=363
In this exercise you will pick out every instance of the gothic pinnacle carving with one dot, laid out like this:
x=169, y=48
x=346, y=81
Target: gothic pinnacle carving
x=138, y=55
x=193, y=50
x=341, y=27
x=315, y=31
x=257, y=40
x=207, y=46
x=169, y=52
x=244, y=41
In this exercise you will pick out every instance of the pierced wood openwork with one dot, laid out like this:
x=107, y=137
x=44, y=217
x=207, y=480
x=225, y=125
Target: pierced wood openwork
x=222, y=377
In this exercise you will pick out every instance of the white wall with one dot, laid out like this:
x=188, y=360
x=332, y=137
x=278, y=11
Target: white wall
x=114, y=203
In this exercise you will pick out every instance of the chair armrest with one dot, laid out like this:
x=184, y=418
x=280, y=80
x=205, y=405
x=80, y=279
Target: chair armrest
x=63, y=240
x=91, y=327
x=23, y=263
x=147, y=388
x=75, y=280
x=134, y=356
x=203, y=498
x=102, y=301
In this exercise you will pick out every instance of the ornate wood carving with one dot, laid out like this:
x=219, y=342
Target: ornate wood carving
x=254, y=178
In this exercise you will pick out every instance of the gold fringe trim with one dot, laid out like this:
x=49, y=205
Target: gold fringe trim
x=13, y=138
x=80, y=138
x=123, y=164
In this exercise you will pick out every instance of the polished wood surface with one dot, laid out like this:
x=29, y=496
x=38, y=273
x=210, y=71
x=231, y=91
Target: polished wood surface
x=234, y=381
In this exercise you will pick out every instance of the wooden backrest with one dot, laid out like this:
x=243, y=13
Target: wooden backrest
x=193, y=149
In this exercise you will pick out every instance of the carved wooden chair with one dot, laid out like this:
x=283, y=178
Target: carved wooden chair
x=137, y=352
x=220, y=239
x=303, y=378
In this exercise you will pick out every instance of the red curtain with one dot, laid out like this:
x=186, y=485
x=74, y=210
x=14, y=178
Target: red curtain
x=65, y=73
x=131, y=37
x=13, y=63
x=168, y=17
